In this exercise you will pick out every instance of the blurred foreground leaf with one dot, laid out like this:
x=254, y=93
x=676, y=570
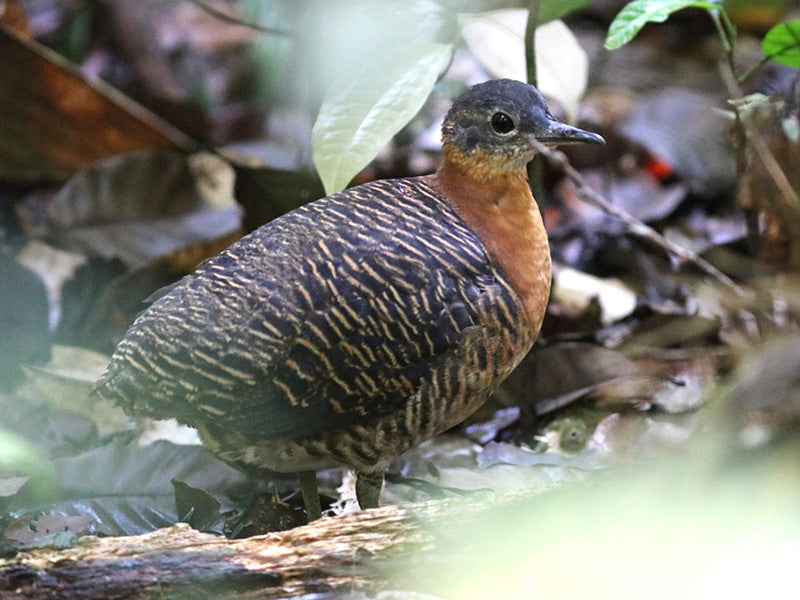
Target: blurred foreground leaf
x=17, y=455
x=671, y=530
x=717, y=519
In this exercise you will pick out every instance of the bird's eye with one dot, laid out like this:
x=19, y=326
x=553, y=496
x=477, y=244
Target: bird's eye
x=502, y=123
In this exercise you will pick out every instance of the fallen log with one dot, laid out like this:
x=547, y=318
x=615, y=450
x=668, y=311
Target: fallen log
x=351, y=556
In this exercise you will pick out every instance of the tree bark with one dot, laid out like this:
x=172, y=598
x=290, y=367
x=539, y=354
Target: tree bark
x=350, y=556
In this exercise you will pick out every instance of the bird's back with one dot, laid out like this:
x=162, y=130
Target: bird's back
x=376, y=305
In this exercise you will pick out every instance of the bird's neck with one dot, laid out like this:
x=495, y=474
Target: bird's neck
x=499, y=207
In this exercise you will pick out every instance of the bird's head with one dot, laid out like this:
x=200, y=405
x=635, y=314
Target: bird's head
x=491, y=125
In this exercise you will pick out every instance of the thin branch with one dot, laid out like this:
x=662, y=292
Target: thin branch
x=218, y=14
x=530, y=40
x=749, y=73
x=536, y=167
x=788, y=194
x=635, y=226
x=725, y=30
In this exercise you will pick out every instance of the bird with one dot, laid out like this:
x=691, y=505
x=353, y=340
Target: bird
x=356, y=326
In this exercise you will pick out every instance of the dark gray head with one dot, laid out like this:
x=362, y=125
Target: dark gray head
x=500, y=117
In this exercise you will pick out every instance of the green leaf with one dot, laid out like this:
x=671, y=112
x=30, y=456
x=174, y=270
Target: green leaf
x=550, y=10
x=782, y=43
x=358, y=117
x=17, y=454
x=638, y=13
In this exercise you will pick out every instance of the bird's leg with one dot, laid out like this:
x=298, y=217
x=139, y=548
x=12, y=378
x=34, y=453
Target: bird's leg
x=308, y=486
x=368, y=489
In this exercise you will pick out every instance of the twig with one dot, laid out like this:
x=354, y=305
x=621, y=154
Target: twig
x=635, y=226
x=218, y=14
x=789, y=196
x=536, y=167
x=531, y=25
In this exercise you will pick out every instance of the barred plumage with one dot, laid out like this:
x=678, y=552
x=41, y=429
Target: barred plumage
x=354, y=327
x=286, y=334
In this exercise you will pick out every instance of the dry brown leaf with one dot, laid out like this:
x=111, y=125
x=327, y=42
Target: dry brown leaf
x=56, y=121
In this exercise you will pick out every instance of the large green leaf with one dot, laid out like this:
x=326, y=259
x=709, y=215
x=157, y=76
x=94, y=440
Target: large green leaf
x=782, y=43
x=359, y=116
x=638, y=13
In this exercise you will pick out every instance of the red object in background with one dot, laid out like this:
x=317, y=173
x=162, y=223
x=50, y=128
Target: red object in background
x=658, y=168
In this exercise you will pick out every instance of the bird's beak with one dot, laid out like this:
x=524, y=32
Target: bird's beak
x=557, y=132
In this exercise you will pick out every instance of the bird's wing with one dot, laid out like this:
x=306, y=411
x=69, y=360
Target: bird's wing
x=330, y=315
